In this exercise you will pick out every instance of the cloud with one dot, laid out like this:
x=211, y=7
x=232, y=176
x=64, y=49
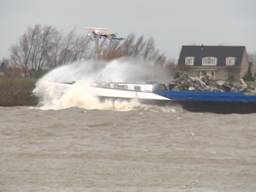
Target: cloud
x=171, y=23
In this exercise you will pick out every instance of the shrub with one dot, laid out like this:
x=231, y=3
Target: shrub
x=17, y=92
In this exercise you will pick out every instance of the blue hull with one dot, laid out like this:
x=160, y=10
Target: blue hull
x=206, y=96
x=217, y=102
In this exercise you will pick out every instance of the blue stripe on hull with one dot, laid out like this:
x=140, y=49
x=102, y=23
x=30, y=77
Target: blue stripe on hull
x=206, y=96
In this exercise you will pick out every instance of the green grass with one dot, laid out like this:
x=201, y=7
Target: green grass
x=17, y=92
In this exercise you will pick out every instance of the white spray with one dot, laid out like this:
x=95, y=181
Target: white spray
x=55, y=95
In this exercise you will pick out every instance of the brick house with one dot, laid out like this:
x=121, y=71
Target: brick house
x=217, y=62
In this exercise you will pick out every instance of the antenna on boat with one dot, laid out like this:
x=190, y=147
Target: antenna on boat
x=96, y=34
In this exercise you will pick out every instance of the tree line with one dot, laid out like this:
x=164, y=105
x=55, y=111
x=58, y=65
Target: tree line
x=42, y=48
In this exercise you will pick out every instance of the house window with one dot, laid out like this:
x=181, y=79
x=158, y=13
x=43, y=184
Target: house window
x=189, y=60
x=230, y=61
x=209, y=61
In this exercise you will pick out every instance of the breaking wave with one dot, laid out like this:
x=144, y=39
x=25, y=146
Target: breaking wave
x=56, y=89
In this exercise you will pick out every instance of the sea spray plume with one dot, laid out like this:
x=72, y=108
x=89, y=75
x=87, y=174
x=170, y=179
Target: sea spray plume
x=58, y=96
x=133, y=70
x=72, y=72
x=56, y=90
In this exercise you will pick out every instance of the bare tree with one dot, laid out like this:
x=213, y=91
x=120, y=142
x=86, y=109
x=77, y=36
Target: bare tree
x=74, y=47
x=111, y=51
x=32, y=49
x=149, y=51
x=138, y=47
x=42, y=48
x=53, y=59
x=21, y=54
x=128, y=45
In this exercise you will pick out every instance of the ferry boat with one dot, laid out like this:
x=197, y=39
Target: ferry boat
x=143, y=92
x=197, y=101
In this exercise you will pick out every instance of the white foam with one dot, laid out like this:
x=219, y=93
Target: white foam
x=55, y=95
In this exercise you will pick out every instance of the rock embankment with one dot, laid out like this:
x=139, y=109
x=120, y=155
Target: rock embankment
x=183, y=81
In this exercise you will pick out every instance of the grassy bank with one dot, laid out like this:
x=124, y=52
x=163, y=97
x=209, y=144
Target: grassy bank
x=17, y=92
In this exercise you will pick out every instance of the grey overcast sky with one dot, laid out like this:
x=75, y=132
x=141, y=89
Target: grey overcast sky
x=171, y=23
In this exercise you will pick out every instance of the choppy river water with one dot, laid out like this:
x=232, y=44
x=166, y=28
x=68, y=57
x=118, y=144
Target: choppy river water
x=153, y=149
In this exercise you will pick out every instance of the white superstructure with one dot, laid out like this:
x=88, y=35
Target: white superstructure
x=140, y=91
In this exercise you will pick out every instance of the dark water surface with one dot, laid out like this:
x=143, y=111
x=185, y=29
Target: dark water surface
x=140, y=150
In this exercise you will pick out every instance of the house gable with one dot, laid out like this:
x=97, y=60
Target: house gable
x=221, y=53
x=218, y=62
